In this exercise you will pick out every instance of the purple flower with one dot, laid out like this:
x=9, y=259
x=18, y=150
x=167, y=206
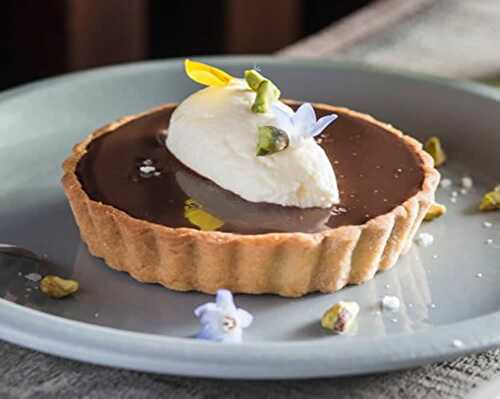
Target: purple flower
x=301, y=124
x=222, y=321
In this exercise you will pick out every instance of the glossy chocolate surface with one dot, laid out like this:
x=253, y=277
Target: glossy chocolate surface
x=375, y=170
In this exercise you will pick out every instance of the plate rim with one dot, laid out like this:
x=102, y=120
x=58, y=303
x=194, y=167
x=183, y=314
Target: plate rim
x=475, y=87
x=183, y=356
x=156, y=353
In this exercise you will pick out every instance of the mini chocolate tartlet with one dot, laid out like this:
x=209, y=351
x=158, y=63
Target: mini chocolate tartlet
x=146, y=213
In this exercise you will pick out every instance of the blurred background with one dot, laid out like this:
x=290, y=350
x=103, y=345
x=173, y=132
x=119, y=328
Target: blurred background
x=455, y=38
x=50, y=37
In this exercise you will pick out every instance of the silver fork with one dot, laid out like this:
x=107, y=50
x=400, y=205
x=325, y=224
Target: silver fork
x=15, y=250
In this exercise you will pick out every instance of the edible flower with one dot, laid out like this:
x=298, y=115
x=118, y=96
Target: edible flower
x=302, y=124
x=206, y=74
x=194, y=212
x=222, y=321
x=298, y=126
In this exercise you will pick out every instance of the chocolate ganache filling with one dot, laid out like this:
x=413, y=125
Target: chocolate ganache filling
x=376, y=171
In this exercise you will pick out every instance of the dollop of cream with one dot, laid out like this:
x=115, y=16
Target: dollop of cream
x=214, y=133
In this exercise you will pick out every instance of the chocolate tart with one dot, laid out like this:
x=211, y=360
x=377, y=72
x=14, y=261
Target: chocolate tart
x=137, y=224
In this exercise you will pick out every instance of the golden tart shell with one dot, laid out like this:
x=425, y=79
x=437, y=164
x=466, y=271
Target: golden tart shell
x=287, y=264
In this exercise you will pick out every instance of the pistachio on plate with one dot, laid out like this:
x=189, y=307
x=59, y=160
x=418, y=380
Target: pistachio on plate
x=436, y=210
x=270, y=140
x=491, y=200
x=434, y=148
x=57, y=287
x=340, y=317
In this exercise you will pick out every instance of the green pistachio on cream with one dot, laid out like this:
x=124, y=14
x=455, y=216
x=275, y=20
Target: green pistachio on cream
x=266, y=91
x=270, y=140
x=253, y=79
x=264, y=98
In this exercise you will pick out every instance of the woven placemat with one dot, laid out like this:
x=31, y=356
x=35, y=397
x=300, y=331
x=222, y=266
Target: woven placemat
x=32, y=375
x=452, y=38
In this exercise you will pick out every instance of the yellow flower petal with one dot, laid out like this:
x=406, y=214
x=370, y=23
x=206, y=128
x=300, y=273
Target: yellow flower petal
x=200, y=218
x=205, y=74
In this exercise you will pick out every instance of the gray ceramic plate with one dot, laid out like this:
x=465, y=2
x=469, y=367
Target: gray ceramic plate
x=119, y=322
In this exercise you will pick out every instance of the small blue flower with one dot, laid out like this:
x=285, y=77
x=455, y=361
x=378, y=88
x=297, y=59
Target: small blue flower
x=301, y=124
x=222, y=321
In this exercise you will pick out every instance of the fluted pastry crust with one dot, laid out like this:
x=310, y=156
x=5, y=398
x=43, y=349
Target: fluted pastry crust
x=288, y=264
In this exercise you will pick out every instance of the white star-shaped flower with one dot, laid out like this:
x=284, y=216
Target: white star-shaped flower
x=301, y=124
x=222, y=321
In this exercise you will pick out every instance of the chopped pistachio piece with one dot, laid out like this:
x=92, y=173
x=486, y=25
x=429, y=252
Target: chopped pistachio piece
x=57, y=287
x=266, y=91
x=436, y=210
x=434, y=148
x=264, y=98
x=253, y=79
x=491, y=200
x=340, y=317
x=194, y=212
x=270, y=140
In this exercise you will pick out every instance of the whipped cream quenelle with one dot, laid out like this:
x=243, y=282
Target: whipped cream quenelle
x=215, y=133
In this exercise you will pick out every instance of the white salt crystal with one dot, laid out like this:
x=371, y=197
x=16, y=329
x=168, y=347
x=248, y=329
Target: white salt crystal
x=467, y=182
x=147, y=169
x=457, y=343
x=391, y=303
x=445, y=183
x=33, y=277
x=424, y=239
